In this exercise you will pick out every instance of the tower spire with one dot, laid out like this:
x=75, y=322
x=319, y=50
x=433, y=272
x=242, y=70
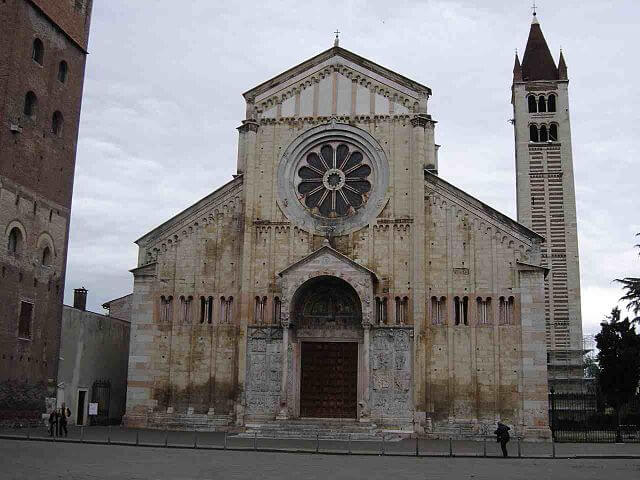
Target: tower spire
x=562, y=68
x=517, y=69
x=537, y=62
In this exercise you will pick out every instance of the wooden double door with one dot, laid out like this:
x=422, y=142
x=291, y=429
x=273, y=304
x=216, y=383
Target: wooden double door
x=329, y=380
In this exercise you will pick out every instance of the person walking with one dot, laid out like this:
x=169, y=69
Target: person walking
x=53, y=423
x=502, y=434
x=63, y=421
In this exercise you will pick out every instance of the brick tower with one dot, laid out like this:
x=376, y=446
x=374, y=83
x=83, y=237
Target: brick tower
x=546, y=197
x=43, y=49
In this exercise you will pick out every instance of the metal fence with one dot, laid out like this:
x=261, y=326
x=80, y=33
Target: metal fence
x=585, y=417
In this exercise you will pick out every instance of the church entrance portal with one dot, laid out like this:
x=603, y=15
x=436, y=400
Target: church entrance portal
x=328, y=369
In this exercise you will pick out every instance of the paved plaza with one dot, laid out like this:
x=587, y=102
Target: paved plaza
x=43, y=460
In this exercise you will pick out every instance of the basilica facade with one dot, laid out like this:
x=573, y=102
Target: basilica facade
x=337, y=276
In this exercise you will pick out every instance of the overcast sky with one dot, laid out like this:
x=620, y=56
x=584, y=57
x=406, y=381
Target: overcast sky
x=163, y=97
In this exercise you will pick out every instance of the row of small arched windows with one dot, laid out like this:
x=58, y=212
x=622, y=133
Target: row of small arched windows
x=206, y=309
x=541, y=103
x=484, y=310
x=37, y=55
x=543, y=133
x=260, y=310
x=401, y=311
x=31, y=100
x=15, y=247
x=31, y=110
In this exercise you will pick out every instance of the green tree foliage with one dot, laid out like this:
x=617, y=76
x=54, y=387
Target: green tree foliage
x=619, y=359
x=631, y=287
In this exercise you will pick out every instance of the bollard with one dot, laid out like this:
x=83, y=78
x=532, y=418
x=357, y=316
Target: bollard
x=255, y=440
x=109, y=436
x=382, y=445
x=81, y=433
x=450, y=447
x=349, y=445
x=484, y=446
x=137, y=438
x=519, y=449
x=553, y=448
x=317, y=442
x=417, y=446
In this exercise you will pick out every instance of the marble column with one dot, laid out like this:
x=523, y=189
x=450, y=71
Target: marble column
x=283, y=413
x=365, y=408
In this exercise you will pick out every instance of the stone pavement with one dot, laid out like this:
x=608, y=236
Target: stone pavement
x=216, y=440
x=71, y=461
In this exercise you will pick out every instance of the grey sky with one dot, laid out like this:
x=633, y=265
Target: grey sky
x=163, y=98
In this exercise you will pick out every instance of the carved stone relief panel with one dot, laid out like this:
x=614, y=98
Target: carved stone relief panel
x=391, y=397
x=264, y=370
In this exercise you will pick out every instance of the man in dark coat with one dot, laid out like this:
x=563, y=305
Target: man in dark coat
x=502, y=434
x=53, y=423
x=63, y=421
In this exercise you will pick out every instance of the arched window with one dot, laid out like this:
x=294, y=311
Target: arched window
x=437, y=310
x=185, y=303
x=378, y=310
x=544, y=136
x=533, y=106
x=30, y=104
x=484, y=311
x=15, y=241
x=223, y=310
x=37, y=54
x=553, y=132
x=502, y=311
x=261, y=303
x=203, y=309
x=465, y=310
x=46, y=257
x=166, y=304
x=510, y=311
x=551, y=103
x=542, y=104
x=57, y=123
x=404, y=317
x=210, y=310
x=457, y=310
x=533, y=133
x=277, y=308
x=229, y=318
x=63, y=69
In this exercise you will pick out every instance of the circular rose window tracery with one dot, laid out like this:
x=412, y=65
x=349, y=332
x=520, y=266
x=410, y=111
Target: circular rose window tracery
x=333, y=180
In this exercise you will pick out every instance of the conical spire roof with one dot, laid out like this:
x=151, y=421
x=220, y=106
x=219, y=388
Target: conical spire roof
x=517, y=70
x=537, y=62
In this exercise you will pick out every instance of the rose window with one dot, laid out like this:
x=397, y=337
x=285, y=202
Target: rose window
x=334, y=180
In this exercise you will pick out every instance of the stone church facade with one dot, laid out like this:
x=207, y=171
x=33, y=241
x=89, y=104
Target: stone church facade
x=337, y=276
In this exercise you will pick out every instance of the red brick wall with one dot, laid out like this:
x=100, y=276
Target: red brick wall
x=72, y=16
x=36, y=185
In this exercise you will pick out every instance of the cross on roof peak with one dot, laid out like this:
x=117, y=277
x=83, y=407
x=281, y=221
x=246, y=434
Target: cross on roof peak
x=336, y=42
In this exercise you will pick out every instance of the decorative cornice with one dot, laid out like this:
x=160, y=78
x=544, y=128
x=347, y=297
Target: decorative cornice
x=421, y=120
x=248, y=126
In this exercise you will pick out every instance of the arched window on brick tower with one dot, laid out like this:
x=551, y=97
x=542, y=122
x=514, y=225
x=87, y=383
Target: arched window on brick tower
x=15, y=241
x=37, y=53
x=46, y=257
x=57, y=123
x=30, y=104
x=533, y=105
x=63, y=70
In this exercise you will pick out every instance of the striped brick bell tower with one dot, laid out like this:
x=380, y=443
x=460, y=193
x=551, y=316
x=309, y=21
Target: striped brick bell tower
x=546, y=198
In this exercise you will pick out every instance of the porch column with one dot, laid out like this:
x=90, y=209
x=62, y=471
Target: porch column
x=365, y=408
x=283, y=414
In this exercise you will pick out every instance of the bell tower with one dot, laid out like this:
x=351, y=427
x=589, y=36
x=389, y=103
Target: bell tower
x=546, y=197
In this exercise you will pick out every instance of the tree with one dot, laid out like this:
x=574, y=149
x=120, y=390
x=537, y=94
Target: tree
x=631, y=286
x=619, y=360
